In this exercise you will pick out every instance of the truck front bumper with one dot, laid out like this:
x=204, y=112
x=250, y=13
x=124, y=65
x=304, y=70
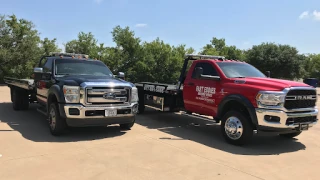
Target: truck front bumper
x=78, y=115
x=278, y=119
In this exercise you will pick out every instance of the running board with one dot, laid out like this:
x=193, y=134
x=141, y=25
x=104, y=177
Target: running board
x=199, y=117
x=42, y=111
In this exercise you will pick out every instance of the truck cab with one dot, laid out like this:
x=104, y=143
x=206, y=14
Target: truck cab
x=239, y=96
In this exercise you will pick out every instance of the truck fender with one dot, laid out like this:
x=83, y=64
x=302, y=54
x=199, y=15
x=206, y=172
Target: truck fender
x=242, y=100
x=56, y=91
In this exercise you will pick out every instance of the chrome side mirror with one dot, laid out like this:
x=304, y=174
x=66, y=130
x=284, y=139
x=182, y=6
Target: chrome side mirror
x=120, y=75
x=38, y=70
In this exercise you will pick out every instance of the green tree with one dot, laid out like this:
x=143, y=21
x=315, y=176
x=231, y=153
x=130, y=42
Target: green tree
x=219, y=47
x=48, y=46
x=283, y=60
x=312, y=65
x=19, y=42
x=85, y=44
x=128, y=55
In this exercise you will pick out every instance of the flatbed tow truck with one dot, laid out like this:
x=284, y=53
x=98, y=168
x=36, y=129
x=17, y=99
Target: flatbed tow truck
x=237, y=95
x=73, y=90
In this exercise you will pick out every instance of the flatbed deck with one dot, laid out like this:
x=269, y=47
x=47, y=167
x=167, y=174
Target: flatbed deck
x=27, y=84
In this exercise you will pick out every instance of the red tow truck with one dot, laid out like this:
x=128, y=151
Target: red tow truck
x=237, y=95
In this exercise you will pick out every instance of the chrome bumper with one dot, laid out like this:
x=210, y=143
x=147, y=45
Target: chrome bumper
x=82, y=111
x=261, y=113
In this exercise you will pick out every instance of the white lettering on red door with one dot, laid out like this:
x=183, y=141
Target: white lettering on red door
x=205, y=93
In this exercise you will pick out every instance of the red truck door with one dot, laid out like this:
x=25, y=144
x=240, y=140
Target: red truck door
x=200, y=94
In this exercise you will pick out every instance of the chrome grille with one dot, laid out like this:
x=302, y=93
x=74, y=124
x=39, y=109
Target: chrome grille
x=108, y=95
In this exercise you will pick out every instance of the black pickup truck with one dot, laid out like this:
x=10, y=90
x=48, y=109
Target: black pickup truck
x=75, y=91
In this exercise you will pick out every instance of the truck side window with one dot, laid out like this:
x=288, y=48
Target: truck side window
x=208, y=69
x=43, y=61
x=47, y=67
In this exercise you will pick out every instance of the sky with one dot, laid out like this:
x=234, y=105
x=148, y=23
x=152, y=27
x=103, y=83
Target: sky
x=243, y=23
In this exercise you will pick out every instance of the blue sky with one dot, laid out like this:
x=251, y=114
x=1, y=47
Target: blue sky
x=192, y=22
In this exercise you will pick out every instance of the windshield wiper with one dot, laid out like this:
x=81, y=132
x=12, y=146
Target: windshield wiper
x=240, y=77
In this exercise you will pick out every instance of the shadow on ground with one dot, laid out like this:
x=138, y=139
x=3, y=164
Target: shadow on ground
x=197, y=130
x=33, y=126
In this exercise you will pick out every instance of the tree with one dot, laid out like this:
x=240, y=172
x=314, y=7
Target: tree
x=128, y=55
x=283, y=60
x=21, y=48
x=219, y=47
x=312, y=65
x=19, y=42
x=48, y=46
x=85, y=44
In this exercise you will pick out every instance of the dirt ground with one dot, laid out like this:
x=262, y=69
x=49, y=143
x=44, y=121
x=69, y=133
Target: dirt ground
x=159, y=146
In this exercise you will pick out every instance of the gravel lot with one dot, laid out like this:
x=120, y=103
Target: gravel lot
x=159, y=146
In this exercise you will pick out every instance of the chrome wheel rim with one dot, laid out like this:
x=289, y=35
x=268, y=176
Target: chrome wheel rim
x=52, y=119
x=233, y=128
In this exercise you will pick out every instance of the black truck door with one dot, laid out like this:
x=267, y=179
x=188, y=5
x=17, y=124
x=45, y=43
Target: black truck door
x=44, y=81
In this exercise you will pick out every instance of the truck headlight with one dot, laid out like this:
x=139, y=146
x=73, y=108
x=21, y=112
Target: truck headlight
x=71, y=94
x=134, y=95
x=269, y=98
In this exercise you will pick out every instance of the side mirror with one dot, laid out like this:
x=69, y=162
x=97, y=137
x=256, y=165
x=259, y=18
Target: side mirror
x=38, y=70
x=199, y=72
x=268, y=74
x=121, y=75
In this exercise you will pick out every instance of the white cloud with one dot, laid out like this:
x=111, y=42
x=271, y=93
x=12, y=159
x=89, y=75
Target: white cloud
x=141, y=25
x=98, y=1
x=304, y=15
x=316, y=15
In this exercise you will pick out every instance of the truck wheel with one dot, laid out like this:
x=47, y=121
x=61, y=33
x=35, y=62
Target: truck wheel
x=290, y=135
x=57, y=124
x=127, y=126
x=236, y=128
x=20, y=99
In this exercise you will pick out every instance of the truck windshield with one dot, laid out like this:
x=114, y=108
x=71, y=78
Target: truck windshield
x=81, y=67
x=241, y=70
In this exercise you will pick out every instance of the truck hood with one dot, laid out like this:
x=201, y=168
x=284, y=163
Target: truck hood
x=76, y=80
x=269, y=83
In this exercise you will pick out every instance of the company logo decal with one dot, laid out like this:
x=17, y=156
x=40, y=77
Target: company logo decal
x=205, y=93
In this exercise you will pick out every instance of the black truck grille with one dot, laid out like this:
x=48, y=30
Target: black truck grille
x=299, y=120
x=108, y=95
x=300, y=99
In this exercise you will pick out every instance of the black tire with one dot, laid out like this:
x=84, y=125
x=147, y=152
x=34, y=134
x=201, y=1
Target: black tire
x=127, y=126
x=243, y=124
x=291, y=135
x=20, y=99
x=188, y=112
x=57, y=124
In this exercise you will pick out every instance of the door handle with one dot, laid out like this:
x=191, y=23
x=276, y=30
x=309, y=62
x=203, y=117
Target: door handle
x=190, y=83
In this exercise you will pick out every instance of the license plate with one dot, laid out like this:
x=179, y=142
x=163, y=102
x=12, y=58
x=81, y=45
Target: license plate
x=111, y=112
x=304, y=127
